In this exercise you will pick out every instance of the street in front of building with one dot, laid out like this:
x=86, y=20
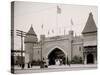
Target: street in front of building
x=54, y=68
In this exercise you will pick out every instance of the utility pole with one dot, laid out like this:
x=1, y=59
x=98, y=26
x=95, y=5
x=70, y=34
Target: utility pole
x=21, y=34
x=71, y=51
x=41, y=55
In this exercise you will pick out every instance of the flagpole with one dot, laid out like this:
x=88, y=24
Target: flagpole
x=42, y=28
x=41, y=65
x=71, y=24
x=58, y=12
x=64, y=31
x=57, y=22
x=48, y=33
x=57, y=19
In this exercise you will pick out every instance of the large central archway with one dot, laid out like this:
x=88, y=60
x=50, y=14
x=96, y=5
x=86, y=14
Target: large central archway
x=56, y=54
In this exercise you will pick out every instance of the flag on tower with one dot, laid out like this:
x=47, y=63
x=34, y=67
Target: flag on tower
x=42, y=26
x=72, y=22
x=58, y=10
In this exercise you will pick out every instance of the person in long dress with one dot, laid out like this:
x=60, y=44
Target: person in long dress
x=57, y=61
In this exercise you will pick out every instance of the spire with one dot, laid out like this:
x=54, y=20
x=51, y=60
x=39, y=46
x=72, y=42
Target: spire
x=31, y=31
x=90, y=25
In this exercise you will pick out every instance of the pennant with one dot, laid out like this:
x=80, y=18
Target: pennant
x=48, y=32
x=72, y=22
x=42, y=26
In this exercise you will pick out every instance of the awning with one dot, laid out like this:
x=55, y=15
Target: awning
x=90, y=43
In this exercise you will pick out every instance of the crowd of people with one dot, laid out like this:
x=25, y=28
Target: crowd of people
x=44, y=63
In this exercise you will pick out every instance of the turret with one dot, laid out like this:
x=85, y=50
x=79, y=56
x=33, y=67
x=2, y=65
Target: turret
x=31, y=36
x=30, y=40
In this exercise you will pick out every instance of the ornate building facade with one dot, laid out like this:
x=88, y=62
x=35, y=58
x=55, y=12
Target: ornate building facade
x=67, y=48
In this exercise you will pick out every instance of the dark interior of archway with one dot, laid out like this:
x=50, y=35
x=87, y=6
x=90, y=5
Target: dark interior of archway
x=56, y=54
x=90, y=59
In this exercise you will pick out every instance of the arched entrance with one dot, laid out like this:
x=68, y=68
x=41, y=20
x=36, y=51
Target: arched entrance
x=90, y=59
x=56, y=55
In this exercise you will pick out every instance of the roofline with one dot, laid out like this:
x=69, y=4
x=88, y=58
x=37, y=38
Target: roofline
x=31, y=34
x=88, y=32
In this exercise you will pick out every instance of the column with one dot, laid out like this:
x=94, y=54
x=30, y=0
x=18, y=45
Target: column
x=26, y=59
x=85, y=58
x=95, y=59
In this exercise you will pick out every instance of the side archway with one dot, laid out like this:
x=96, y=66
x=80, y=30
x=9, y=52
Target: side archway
x=90, y=59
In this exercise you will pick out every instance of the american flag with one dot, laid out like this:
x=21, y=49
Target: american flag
x=58, y=10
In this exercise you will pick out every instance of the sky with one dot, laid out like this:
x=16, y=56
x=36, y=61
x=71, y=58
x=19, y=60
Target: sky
x=36, y=14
